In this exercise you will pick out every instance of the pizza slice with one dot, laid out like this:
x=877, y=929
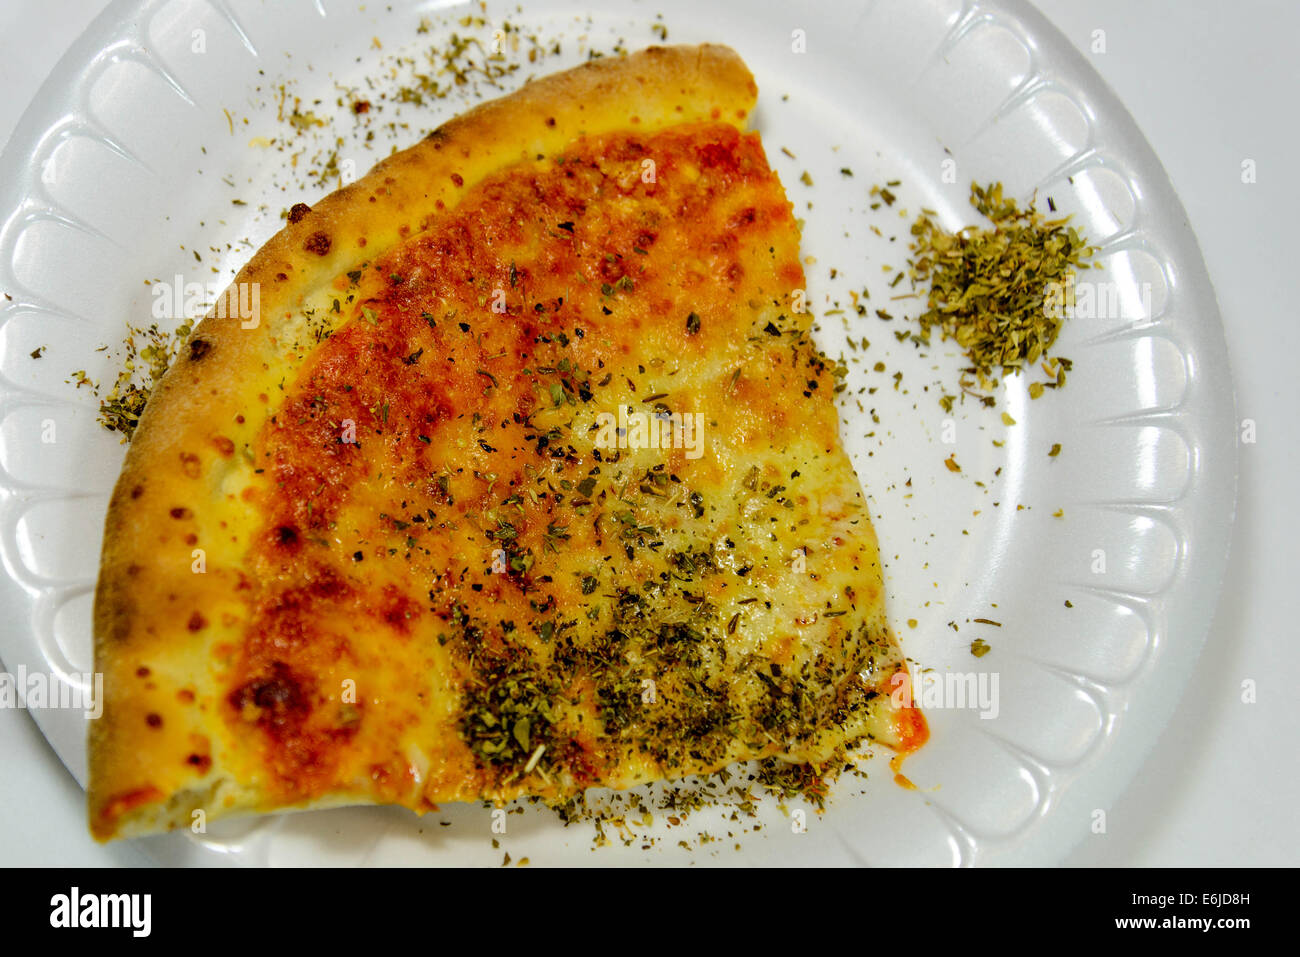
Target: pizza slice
x=522, y=478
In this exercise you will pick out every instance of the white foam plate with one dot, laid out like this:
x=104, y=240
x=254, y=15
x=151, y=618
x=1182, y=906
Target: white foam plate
x=127, y=162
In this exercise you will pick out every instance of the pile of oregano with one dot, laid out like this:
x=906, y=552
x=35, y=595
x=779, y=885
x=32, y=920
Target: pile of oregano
x=987, y=286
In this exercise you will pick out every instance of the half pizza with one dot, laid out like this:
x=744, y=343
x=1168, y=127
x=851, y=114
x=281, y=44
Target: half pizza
x=523, y=477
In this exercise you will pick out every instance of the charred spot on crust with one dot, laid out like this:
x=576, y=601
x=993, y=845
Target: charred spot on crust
x=199, y=348
x=181, y=513
x=153, y=720
x=286, y=536
x=197, y=622
x=458, y=179
x=200, y=762
x=224, y=445
x=318, y=243
x=137, y=491
x=297, y=211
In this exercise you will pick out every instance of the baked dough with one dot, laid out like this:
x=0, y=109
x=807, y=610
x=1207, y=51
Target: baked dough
x=524, y=478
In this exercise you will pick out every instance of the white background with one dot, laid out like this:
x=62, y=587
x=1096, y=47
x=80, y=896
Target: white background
x=1211, y=83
